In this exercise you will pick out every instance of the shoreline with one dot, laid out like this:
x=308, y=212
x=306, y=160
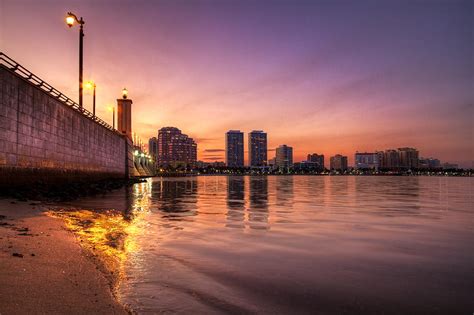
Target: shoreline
x=465, y=174
x=45, y=269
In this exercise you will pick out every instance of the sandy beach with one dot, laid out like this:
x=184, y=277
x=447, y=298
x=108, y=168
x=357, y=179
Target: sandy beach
x=44, y=270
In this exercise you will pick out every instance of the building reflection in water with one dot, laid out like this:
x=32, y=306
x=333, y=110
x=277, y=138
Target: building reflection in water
x=389, y=197
x=235, y=202
x=258, y=202
x=284, y=193
x=175, y=197
x=316, y=190
x=339, y=197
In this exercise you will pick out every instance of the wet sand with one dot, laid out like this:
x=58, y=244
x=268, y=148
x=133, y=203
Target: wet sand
x=43, y=268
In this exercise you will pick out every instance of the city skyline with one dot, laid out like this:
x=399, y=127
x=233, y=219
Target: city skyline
x=401, y=159
x=404, y=84
x=406, y=157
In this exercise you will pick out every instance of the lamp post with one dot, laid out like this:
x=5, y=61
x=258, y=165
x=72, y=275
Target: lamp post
x=112, y=109
x=70, y=20
x=91, y=86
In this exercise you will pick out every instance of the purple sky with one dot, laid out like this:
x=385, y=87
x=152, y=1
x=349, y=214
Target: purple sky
x=321, y=76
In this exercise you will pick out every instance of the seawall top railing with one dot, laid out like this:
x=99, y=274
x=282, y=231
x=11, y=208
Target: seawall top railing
x=15, y=67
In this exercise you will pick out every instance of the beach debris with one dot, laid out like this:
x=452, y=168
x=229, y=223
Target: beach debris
x=33, y=255
x=23, y=231
x=17, y=255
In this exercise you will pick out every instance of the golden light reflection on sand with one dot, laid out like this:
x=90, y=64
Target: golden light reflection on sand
x=110, y=236
x=106, y=233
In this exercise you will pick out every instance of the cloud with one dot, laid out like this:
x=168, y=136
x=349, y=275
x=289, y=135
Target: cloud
x=204, y=140
x=212, y=158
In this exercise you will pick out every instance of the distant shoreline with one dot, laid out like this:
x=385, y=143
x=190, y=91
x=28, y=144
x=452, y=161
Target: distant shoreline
x=463, y=174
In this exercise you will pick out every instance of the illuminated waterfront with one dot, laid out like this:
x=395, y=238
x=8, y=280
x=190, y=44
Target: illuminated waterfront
x=292, y=244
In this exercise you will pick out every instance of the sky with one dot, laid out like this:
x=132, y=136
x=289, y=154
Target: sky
x=324, y=77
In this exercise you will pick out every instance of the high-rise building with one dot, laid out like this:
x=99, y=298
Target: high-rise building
x=175, y=148
x=257, y=148
x=389, y=159
x=191, y=151
x=153, y=148
x=366, y=160
x=284, y=157
x=408, y=158
x=234, y=148
x=318, y=159
x=429, y=163
x=338, y=162
x=307, y=166
x=272, y=163
x=403, y=158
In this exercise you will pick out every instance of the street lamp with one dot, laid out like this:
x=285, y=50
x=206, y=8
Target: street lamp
x=91, y=86
x=124, y=93
x=112, y=109
x=70, y=20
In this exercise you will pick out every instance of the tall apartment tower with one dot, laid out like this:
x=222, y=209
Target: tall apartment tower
x=175, y=148
x=318, y=159
x=408, y=158
x=402, y=158
x=284, y=157
x=366, y=160
x=234, y=148
x=389, y=159
x=338, y=162
x=257, y=148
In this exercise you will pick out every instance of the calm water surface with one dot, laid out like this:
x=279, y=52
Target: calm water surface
x=298, y=244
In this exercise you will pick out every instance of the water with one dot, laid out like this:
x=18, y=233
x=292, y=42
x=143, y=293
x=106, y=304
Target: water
x=298, y=244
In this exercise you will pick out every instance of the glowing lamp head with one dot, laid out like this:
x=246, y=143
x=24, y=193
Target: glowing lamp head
x=110, y=108
x=70, y=20
x=124, y=93
x=89, y=85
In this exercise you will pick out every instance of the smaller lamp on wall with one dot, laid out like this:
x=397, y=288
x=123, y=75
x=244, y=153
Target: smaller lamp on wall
x=90, y=85
x=112, y=109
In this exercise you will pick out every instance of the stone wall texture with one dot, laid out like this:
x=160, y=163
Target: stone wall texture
x=41, y=138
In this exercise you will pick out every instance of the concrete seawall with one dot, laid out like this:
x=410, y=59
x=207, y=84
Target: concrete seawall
x=42, y=138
